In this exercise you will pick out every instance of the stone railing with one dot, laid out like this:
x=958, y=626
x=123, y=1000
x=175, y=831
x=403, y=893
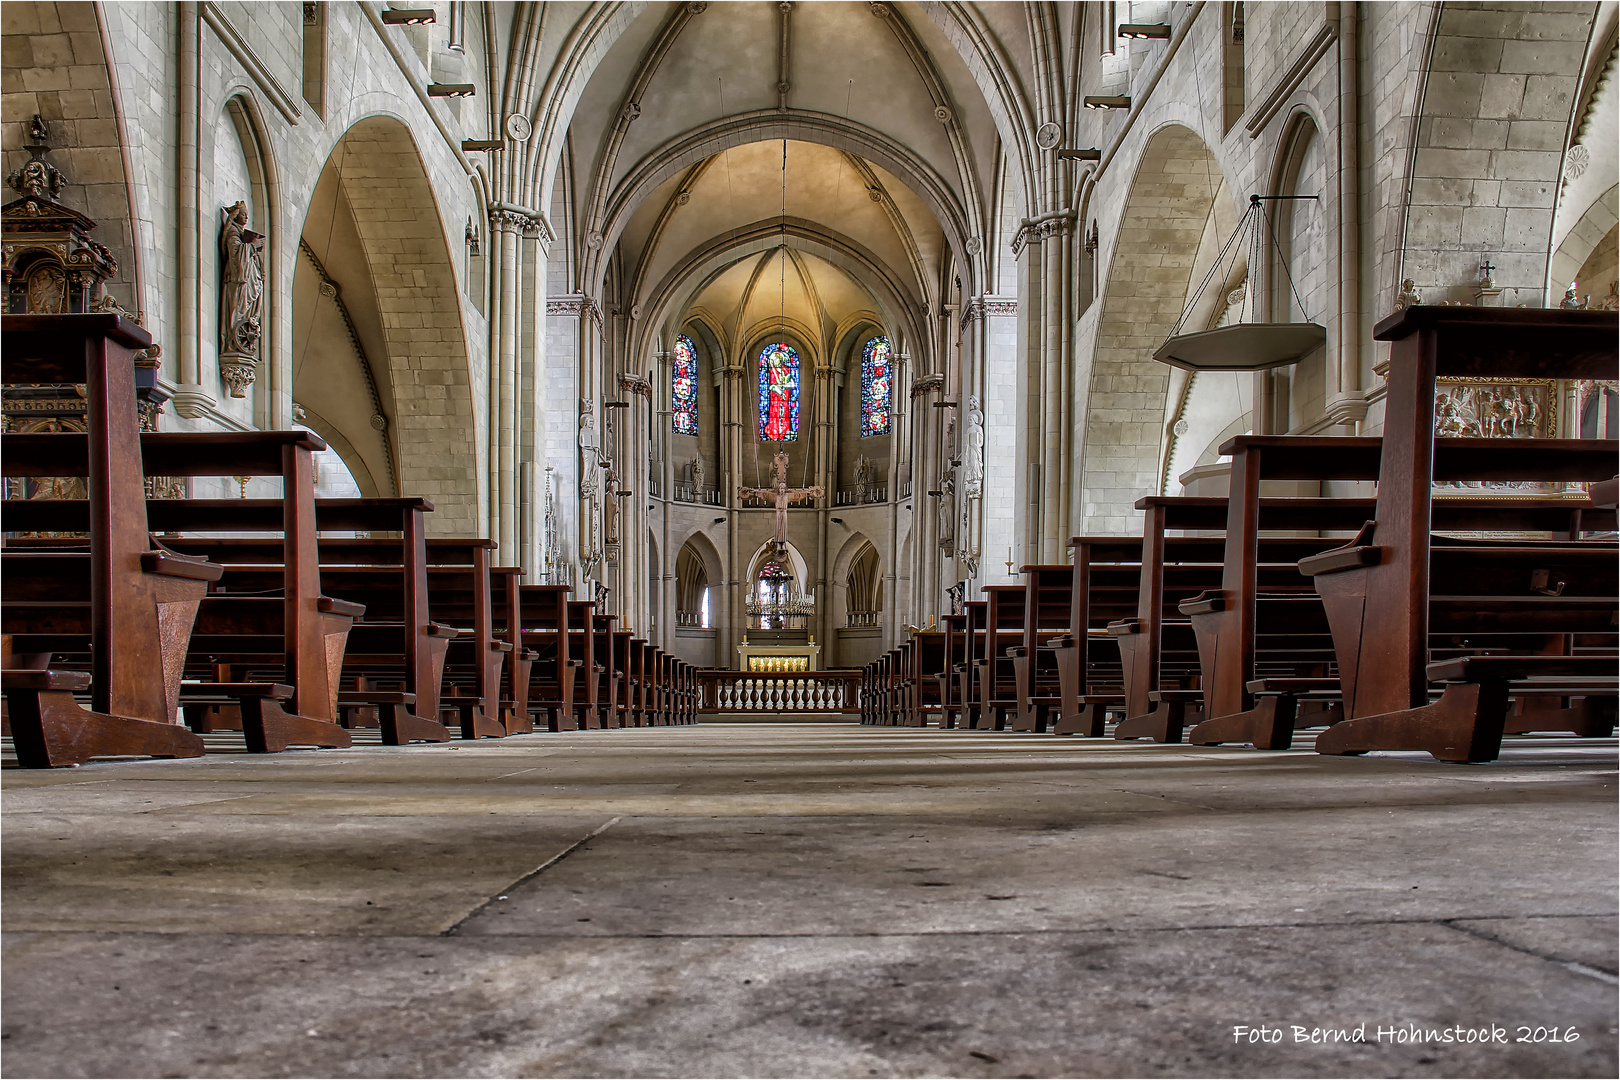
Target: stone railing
x=687, y=492
x=876, y=493
x=805, y=692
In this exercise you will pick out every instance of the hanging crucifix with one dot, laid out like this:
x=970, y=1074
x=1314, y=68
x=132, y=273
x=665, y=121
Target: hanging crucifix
x=781, y=495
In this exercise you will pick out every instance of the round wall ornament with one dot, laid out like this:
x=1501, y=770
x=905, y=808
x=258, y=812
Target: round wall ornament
x=518, y=127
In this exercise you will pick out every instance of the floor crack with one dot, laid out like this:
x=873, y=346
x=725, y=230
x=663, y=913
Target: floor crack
x=1570, y=965
x=455, y=927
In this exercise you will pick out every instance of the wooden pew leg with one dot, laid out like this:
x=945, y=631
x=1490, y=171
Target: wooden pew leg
x=475, y=725
x=517, y=721
x=1269, y=725
x=270, y=729
x=1465, y=725
x=1088, y=722
x=206, y=719
x=1162, y=723
x=51, y=730
x=1587, y=718
x=401, y=726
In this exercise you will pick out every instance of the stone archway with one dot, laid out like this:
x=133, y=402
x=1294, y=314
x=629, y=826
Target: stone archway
x=1164, y=219
x=428, y=398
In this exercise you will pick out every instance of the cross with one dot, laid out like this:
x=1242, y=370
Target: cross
x=781, y=494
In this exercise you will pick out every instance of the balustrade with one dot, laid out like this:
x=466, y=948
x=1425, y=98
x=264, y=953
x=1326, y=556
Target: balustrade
x=688, y=492
x=801, y=692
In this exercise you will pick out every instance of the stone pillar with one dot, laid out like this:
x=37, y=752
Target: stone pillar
x=729, y=613
x=826, y=471
x=507, y=229
x=191, y=398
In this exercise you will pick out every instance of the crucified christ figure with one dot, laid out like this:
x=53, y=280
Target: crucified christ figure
x=781, y=494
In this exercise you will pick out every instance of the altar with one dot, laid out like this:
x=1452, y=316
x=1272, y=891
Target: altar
x=779, y=658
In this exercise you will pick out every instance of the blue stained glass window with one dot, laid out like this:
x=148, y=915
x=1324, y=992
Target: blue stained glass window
x=877, y=386
x=778, y=393
x=683, y=389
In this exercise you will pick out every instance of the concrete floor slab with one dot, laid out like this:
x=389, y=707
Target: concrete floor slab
x=809, y=900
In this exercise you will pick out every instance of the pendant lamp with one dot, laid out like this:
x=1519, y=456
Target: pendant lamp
x=1241, y=346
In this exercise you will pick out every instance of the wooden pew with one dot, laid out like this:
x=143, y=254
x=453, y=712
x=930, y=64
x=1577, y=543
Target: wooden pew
x=461, y=594
x=993, y=675
x=1377, y=589
x=142, y=600
x=399, y=637
x=588, y=668
x=1048, y=602
x=967, y=682
x=506, y=583
x=926, y=657
x=554, y=673
x=947, y=688
x=1238, y=628
x=1105, y=574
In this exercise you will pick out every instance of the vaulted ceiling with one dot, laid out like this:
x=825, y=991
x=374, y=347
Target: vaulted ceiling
x=676, y=185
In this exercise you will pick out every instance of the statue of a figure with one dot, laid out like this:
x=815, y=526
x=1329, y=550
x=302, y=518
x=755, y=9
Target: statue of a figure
x=947, y=514
x=863, y=477
x=1408, y=296
x=1571, y=302
x=973, y=453
x=697, y=478
x=241, y=298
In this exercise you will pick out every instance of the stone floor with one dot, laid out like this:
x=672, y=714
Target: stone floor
x=811, y=900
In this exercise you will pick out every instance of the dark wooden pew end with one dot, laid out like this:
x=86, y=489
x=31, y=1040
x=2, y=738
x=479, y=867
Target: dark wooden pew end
x=1467, y=723
x=51, y=730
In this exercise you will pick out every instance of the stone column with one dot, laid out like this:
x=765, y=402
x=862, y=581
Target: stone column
x=826, y=470
x=507, y=229
x=191, y=398
x=729, y=611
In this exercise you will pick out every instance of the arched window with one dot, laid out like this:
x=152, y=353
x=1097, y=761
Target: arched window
x=778, y=393
x=877, y=384
x=683, y=387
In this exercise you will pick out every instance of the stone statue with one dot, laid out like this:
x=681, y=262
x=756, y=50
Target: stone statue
x=1571, y=302
x=973, y=453
x=1408, y=296
x=697, y=478
x=947, y=514
x=241, y=299
x=863, y=478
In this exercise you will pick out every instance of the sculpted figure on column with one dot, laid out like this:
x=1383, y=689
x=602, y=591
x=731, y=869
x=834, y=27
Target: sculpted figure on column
x=973, y=454
x=241, y=297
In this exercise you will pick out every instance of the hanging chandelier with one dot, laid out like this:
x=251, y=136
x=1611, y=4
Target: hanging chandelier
x=1244, y=346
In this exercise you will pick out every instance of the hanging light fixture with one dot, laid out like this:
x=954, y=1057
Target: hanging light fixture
x=1241, y=346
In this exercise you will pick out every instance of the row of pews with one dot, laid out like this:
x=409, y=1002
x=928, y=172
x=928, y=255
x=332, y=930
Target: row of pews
x=134, y=626
x=1473, y=597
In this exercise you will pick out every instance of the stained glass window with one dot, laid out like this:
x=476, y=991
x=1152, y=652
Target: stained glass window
x=683, y=388
x=877, y=383
x=779, y=393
